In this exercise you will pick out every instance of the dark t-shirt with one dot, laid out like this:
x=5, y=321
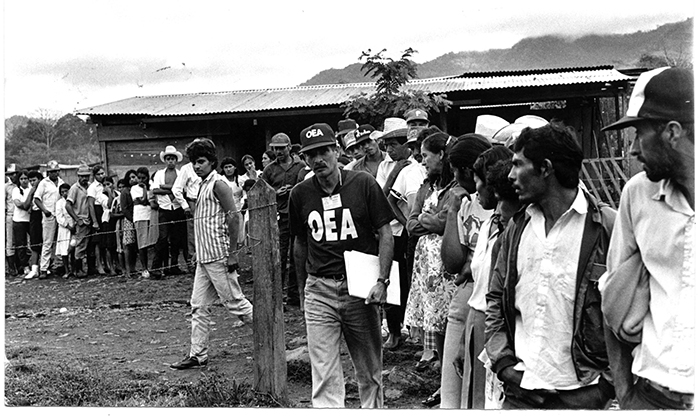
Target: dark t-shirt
x=276, y=176
x=347, y=223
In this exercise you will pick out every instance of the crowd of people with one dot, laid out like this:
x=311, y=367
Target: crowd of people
x=528, y=292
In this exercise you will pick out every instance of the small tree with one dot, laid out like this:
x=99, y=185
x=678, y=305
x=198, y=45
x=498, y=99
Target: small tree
x=389, y=98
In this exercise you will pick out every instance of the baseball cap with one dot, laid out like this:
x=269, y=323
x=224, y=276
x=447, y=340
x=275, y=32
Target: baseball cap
x=317, y=135
x=413, y=132
x=280, y=140
x=660, y=94
x=363, y=132
x=415, y=114
x=349, y=140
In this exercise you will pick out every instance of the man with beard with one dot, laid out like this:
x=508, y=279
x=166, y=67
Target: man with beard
x=543, y=332
x=652, y=251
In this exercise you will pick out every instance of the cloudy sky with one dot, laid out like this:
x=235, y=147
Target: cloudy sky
x=70, y=54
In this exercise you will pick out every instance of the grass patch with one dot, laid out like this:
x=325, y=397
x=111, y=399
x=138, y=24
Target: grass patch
x=32, y=385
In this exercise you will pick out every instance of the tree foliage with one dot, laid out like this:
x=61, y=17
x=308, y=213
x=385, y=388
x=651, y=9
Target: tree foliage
x=390, y=99
x=46, y=136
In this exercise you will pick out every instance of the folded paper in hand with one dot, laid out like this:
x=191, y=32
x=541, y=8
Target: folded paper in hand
x=362, y=270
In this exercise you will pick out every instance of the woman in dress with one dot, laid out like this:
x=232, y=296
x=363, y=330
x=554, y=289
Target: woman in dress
x=431, y=286
x=128, y=232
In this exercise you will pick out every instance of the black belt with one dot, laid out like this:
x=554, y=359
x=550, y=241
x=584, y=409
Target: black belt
x=336, y=277
x=684, y=398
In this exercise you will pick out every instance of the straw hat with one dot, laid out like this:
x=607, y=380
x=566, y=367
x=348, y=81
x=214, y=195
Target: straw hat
x=170, y=150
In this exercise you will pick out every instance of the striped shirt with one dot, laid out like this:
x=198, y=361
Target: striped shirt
x=211, y=236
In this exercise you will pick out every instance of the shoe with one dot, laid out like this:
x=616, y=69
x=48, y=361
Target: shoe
x=34, y=272
x=174, y=271
x=423, y=365
x=44, y=275
x=432, y=400
x=145, y=274
x=155, y=275
x=189, y=362
x=393, y=342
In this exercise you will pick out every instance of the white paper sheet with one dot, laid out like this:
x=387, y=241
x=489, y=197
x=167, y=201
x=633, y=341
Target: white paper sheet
x=362, y=271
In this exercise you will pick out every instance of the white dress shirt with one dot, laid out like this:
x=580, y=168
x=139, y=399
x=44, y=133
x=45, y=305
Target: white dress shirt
x=544, y=295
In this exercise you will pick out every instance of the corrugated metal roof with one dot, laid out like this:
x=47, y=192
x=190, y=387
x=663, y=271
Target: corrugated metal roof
x=335, y=94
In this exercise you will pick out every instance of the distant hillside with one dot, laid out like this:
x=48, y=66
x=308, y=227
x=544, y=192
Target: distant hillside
x=673, y=41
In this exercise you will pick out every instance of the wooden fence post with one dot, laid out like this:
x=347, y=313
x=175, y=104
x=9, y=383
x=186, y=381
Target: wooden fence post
x=268, y=319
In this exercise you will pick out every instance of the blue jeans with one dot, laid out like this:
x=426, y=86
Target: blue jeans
x=331, y=312
x=211, y=282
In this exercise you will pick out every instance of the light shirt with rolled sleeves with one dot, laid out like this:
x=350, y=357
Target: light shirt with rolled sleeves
x=547, y=265
x=186, y=185
x=47, y=193
x=657, y=220
x=164, y=201
x=407, y=183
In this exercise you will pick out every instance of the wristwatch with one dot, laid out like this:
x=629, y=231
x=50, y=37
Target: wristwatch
x=383, y=280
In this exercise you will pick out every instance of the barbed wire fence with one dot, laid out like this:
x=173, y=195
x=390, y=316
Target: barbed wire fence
x=242, y=248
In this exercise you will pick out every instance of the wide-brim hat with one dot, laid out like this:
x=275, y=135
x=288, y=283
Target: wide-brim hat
x=345, y=126
x=11, y=168
x=317, y=135
x=52, y=166
x=488, y=125
x=170, y=150
x=395, y=128
x=660, y=94
x=84, y=170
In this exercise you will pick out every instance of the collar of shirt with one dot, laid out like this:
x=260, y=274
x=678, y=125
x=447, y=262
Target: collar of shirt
x=580, y=205
x=673, y=197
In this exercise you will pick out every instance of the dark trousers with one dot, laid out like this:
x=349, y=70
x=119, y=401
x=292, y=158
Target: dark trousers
x=289, y=274
x=589, y=397
x=36, y=239
x=95, y=240
x=644, y=396
x=172, y=232
x=395, y=313
x=19, y=239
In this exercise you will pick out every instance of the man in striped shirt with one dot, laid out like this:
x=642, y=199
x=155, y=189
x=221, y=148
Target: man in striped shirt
x=216, y=231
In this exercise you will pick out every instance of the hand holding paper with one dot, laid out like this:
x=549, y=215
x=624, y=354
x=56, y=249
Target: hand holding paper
x=362, y=271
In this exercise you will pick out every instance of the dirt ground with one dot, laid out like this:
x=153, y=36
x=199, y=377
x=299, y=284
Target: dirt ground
x=129, y=327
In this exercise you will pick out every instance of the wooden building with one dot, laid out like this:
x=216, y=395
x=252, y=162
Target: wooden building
x=133, y=131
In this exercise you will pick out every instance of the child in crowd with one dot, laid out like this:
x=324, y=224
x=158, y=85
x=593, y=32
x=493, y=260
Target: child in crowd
x=109, y=239
x=116, y=223
x=142, y=220
x=66, y=227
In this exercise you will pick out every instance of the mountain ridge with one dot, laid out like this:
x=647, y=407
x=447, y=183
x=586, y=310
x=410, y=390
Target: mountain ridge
x=671, y=41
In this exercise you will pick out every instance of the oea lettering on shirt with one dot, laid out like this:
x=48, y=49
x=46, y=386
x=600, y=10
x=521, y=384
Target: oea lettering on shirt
x=326, y=224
